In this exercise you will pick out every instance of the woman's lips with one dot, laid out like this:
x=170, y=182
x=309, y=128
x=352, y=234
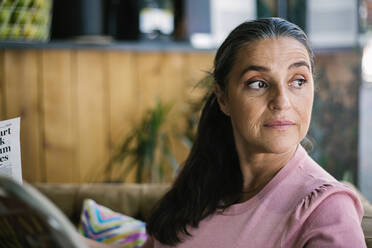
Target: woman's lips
x=279, y=124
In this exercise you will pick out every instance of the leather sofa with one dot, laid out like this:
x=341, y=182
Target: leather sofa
x=134, y=200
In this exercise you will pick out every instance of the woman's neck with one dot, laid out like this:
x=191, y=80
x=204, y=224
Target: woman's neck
x=259, y=168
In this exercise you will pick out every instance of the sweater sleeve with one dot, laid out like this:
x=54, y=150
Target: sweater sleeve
x=335, y=222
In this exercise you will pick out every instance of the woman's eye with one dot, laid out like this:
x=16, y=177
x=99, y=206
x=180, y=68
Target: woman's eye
x=298, y=83
x=257, y=85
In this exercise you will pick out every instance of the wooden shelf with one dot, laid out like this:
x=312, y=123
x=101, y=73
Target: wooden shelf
x=122, y=45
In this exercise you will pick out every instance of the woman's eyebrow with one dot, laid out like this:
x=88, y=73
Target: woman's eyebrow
x=254, y=68
x=265, y=69
x=299, y=64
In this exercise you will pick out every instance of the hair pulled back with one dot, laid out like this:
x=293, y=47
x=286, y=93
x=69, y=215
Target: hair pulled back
x=211, y=179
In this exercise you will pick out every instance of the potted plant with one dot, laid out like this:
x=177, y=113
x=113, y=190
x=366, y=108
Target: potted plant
x=146, y=148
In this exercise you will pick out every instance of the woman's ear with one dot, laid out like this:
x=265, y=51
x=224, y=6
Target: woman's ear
x=222, y=100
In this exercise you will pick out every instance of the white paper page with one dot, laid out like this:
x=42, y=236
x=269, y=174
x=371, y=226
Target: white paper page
x=10, y=151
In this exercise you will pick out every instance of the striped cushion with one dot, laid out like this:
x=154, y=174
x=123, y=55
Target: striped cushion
x=104, y=225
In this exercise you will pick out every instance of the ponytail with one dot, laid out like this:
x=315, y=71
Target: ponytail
x=209, y=180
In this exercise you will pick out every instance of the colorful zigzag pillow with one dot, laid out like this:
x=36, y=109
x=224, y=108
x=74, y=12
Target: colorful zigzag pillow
x=104, y=225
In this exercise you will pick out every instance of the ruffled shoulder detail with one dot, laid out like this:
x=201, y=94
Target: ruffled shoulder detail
x=319, y=193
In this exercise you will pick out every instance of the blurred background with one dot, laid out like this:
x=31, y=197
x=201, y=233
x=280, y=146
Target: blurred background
x=110, y=90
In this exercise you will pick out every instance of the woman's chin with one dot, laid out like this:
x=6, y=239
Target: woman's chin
x=280, y=146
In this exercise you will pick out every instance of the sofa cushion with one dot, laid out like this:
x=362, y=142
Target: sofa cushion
x=134, y=200
x=367, y=229
x=151, y=194
x=62, y=195
x=104, y=225
x=122, y=198
x=367, y=217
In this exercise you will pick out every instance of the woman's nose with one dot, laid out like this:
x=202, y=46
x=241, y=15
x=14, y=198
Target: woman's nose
x=279, y=100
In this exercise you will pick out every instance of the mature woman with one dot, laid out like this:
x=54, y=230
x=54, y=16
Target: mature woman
x=247, y=181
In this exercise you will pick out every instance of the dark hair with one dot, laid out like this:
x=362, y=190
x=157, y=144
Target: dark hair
x=211, y=179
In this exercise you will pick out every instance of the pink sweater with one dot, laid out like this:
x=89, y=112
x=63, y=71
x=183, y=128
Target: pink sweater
x=302, y=206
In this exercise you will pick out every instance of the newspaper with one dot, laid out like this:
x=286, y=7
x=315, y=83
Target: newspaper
x=29, y=219
x=10, y=152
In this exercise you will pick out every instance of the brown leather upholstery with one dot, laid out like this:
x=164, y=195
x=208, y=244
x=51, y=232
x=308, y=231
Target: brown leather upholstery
x=134, y=200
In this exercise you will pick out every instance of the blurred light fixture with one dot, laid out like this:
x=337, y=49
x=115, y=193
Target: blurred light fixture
x=202, y=41
x=367, y=63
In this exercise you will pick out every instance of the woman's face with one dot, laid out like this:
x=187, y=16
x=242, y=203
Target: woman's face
x=269, y=95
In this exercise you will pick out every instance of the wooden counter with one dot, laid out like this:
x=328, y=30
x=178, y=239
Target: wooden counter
x=76, y=104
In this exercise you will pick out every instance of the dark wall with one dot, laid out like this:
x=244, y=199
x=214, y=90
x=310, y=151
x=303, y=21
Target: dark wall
x=334, y=126
x=75, y=18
